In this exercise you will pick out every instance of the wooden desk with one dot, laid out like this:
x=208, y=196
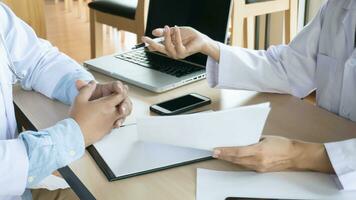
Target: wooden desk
x=289, y=117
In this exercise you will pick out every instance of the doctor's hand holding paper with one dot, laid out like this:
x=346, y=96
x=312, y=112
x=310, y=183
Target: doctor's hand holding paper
x=322, y=57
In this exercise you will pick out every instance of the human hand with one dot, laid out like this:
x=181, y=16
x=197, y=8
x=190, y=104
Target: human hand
x=181, y=42
x=274, y=153
x=96, y=117
x=107, y=89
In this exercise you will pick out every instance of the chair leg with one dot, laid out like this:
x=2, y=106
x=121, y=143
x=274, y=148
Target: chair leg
x=66, y=5
x=96, y=36
x=122, y=37
x=80, y=7
x=70, y=5
x=250, y=35
x=291, y=21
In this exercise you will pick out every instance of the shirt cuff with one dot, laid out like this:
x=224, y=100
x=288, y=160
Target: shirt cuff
x=52, y=148
x=69, y=142
x=212, y=72
x=343, y=160
x=66, y=90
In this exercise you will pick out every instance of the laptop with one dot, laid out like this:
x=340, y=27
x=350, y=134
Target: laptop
x=156, y=72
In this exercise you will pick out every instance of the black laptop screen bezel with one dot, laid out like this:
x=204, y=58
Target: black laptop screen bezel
x=203, y=23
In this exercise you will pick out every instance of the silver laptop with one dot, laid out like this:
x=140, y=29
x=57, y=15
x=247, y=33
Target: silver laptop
x=156, y=72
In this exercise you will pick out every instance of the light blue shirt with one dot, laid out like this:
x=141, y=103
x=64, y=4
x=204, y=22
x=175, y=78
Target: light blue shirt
x=27, y=159
x=59, y=145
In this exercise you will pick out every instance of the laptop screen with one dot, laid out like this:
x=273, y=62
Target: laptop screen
x=210, y=17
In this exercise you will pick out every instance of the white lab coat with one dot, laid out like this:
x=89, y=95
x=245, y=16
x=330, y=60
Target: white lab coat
x=321, y=57
x=42, y=67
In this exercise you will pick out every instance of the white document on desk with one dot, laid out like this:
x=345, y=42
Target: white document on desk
x=218, y=185
x=234, y=127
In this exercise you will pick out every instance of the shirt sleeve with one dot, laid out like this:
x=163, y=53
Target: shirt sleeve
x=52, y=148
x=66, y=90
x=280, y=69
x=343, y=159
x=41, y=64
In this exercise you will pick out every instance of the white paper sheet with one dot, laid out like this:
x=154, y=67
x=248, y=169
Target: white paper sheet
x=217, y=185
x=234, y=127
x=126, y=155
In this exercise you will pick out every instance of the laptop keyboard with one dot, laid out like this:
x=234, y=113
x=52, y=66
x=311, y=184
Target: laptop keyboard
x=159, y=63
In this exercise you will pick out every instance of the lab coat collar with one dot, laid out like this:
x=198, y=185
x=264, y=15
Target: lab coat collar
x=350, y=4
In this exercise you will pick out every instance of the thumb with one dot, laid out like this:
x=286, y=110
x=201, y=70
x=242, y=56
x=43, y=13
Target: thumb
x=86, y=91
x=80, y=84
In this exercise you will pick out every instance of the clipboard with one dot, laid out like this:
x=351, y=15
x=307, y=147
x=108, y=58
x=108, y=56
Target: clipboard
x=121, y=155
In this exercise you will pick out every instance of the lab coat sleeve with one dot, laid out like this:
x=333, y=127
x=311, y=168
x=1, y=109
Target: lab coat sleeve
x=51, y=149
x=14, y=152
x=343, y=159
x=280, y=69
x=41, y=64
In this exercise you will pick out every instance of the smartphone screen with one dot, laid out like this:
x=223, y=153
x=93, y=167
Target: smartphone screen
x=180, y=104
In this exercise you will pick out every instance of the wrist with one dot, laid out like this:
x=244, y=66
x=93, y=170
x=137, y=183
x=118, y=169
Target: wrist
x=211, y=48
x=311, y=156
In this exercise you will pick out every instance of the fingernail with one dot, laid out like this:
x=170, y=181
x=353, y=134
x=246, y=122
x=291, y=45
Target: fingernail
x=216, y=153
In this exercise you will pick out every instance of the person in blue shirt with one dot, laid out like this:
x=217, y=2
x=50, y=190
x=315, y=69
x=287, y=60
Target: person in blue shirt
x=96, y=109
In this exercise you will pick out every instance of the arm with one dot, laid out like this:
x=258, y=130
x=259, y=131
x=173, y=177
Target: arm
x=51, y=149
x=342, y=154
x=281, y=69
x=41, y=64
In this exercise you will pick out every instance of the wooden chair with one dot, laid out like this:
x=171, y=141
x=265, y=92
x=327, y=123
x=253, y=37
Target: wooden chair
x=68, y=5
x=243, y=19
x=118, y=15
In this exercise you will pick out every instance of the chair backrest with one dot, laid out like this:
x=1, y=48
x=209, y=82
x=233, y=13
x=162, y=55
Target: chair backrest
x=243, y=19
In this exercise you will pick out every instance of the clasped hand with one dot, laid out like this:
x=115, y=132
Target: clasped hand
x=99, y=108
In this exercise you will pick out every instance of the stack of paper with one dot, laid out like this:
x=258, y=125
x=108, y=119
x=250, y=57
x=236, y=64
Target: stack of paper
x=235, y=127
x=218, y=185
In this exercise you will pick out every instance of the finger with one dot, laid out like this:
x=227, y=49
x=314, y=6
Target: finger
x=125, y=108
x=158, y=32
x=80, y=84
x=119, y=123
x=168, y=42
x=116, y=99
x=154, y=46
x=178, y=41
x=237, y=151
x=117, y=87
x=86, y=92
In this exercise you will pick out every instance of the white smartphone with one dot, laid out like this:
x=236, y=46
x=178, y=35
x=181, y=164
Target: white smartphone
x=180, y=105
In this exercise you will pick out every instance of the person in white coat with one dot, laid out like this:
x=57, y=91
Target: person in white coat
x=322, y=57
x=28, y=158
